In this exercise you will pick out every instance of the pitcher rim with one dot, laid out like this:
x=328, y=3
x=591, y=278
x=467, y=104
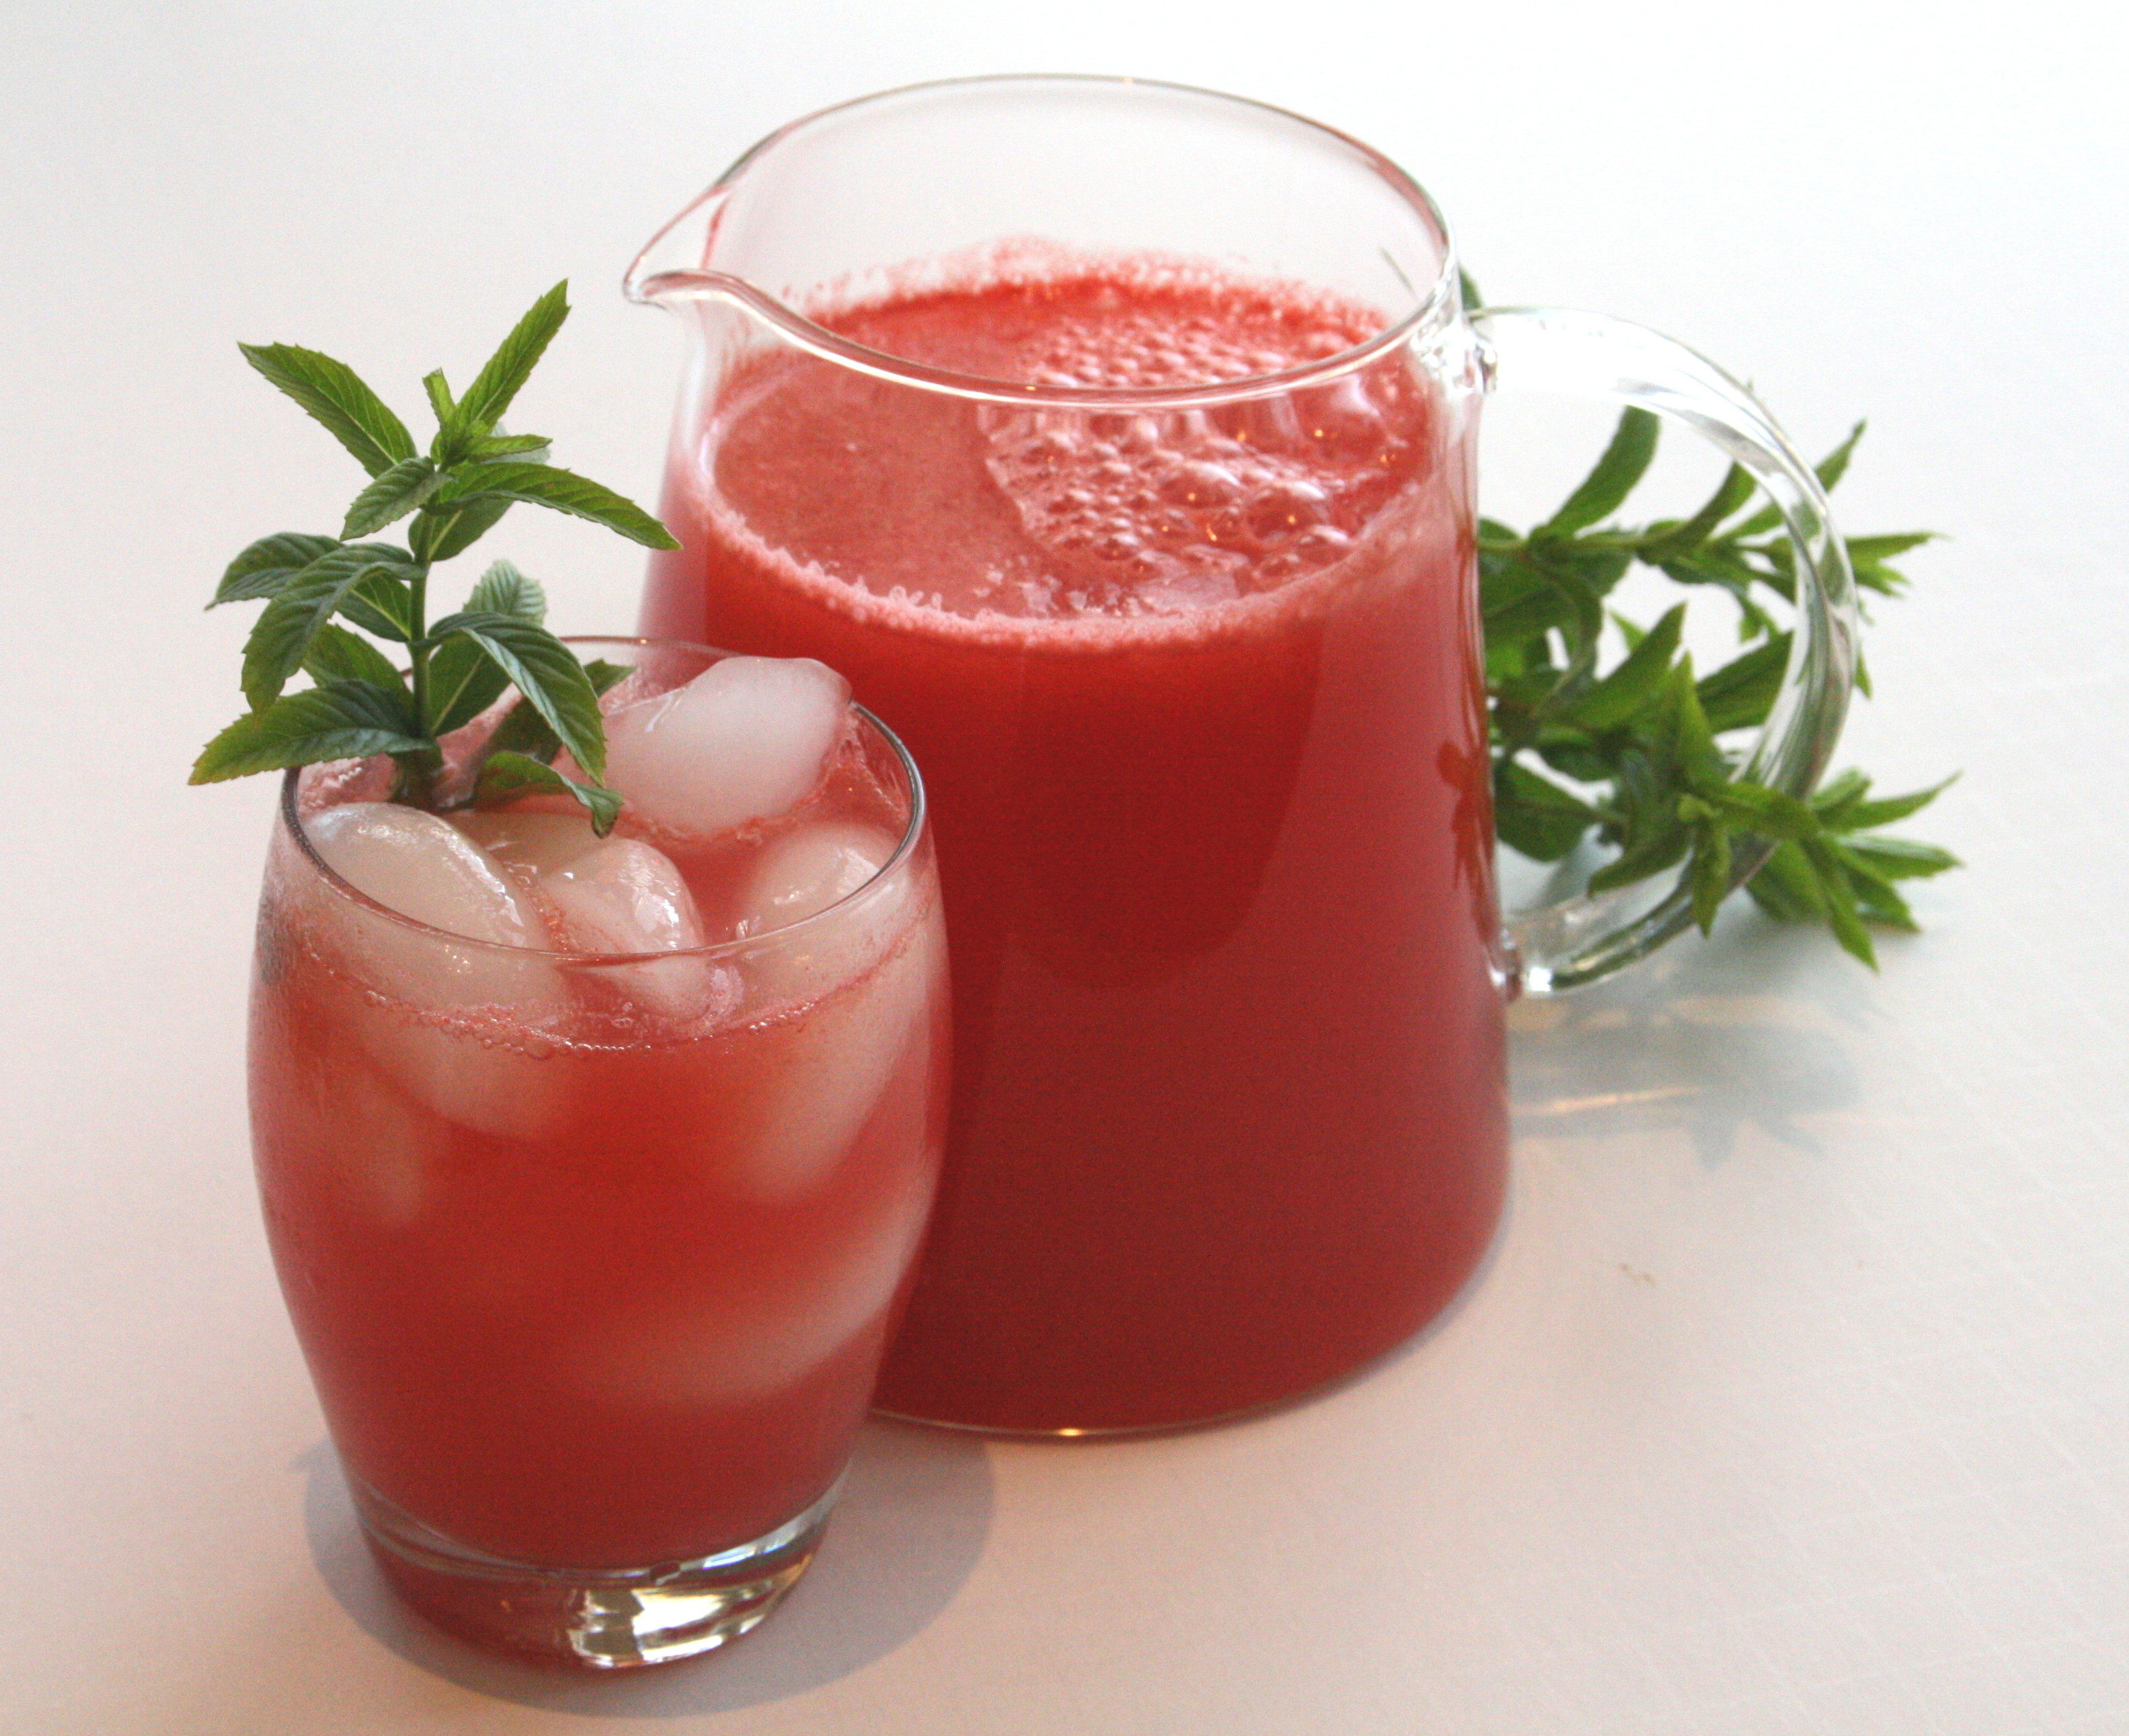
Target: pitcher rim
x=1435, y=310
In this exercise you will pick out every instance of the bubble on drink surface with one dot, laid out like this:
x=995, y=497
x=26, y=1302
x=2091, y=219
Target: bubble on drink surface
x=1285, y=509
x=1180, y=591
x=611, y=894
x=1343, y=416
x=760, y=1331
x=748, y=739
x=1264, y=491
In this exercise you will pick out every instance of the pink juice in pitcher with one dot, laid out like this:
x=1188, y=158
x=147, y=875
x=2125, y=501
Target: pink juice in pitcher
x=1196, y=691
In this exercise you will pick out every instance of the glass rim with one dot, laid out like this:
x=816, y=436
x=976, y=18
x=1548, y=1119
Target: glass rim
x=291, y=819
x=1434, y=311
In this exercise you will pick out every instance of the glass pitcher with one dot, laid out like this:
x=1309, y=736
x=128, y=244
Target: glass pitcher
x=1117, y=440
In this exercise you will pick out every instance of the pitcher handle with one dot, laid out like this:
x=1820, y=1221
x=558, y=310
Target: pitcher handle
x=1578, y=939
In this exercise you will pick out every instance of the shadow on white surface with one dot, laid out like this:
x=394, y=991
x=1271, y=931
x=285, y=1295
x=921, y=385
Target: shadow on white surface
x=1745, y=1033
x=906, y=1535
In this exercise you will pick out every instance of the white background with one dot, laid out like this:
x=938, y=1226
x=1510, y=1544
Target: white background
x=1795, y=1396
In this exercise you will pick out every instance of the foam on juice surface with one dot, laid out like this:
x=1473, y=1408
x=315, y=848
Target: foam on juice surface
x=1149, y=517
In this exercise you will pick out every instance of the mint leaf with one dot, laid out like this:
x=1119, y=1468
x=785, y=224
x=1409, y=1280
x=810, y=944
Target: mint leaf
x=336, y=654
x=1898, y=859
x=440, y=403
x=503, y=590
x=524, y=731
x=336, y=397
x=441, y=531
x=1867, y=815
x=1629, y=688
x=464, y=682
x=1771, y=813
x=1785, y=888
x=545, y=672
x=395, y=493
x=1830, y=468
x=1877, y=900
x=344, y=719
x=510, y=445
x=1884, y=547
x=1663, y=846
x=1732, y=491
x=1740, y=694
x=505, y=372
x=1843, y=915
x=1534, y=816
x=281, y=637
x=1684, y=736
x=1711, y=875
x=270, y=563
x=545, y=485
x=1605, y=489
x=505, y=775
x=382, y=603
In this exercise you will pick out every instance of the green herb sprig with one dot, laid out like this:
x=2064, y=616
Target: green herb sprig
x=1635, y=752
x=360, y=701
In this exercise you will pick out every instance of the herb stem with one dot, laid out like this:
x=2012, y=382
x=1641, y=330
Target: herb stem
x=416, y=778
x=361, y=701
x=417, y=647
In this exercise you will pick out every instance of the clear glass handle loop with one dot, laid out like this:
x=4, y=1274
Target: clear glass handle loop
x=1578, y=939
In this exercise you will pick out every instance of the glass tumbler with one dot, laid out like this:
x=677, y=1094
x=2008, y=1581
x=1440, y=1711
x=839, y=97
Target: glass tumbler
x=593, y=1256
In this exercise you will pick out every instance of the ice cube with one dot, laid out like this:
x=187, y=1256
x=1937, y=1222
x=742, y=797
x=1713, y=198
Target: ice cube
x=528, y=843
x=838, y=1058
x=612, y=895
x=748, y=739
x=384, y=1146
x=800, y=875
x=455, y=1026
x=420, y=866
x=329, y=1118
x=762, y=1332
x=625, y=897
x=806, y=871
x=474, y=1068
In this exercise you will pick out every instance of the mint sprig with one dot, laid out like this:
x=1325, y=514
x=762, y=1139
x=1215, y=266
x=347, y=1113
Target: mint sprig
x=361, y=700
x=1633, y=754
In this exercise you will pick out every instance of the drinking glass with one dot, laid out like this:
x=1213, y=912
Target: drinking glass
x=592, y=1256
x=1118, y=440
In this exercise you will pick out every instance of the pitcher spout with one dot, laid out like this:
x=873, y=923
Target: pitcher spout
x=673, y=266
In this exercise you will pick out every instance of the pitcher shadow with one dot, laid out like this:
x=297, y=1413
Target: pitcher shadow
x=906, y=1533
x=1746, y=1032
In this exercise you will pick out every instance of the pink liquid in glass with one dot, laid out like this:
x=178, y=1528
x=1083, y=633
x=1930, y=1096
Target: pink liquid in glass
x=566, y=1295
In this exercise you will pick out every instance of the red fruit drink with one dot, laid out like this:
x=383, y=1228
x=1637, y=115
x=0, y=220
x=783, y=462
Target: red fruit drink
x=1196, y=692
x=593, y=1261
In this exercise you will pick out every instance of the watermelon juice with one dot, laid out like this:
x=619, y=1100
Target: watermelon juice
x=1197, y=691
x=592, y=1254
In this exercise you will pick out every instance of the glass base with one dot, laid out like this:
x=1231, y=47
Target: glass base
x=599, y=1619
